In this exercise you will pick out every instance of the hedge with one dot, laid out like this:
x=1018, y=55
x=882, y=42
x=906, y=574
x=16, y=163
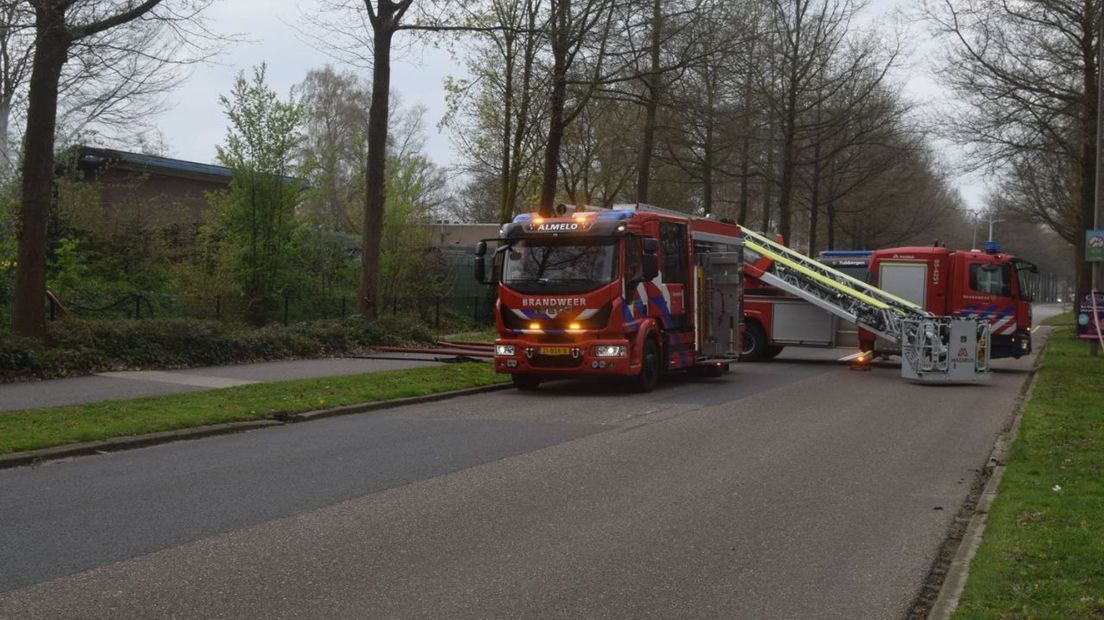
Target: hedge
x=75, y=347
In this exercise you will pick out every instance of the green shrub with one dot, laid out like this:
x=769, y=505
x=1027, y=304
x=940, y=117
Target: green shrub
x=78, y=346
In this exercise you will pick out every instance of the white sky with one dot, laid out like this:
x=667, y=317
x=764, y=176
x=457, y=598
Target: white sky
x=195, y=123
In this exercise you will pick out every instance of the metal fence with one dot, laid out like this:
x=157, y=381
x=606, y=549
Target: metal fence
x=288, y=308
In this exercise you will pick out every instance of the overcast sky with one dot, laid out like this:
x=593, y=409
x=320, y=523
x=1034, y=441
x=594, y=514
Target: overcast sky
x=195, y=123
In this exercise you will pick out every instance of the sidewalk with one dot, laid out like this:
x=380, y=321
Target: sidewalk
x=139, y=383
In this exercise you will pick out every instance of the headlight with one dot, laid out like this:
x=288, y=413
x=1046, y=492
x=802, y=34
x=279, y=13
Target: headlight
x=504, y=349
x=605, y=350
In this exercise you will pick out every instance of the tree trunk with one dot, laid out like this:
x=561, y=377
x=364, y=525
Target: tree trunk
x=830, y=205
x=51, y=48
x=789, y=161
x=768, y=176
x=556, y=102
x=1087, y=198
x=522, y=125
x=814, y=208
x=368, y=300
x=5, y=139
x=745, y=162
x=652, y=81
x=506, y=200
x=708, y=147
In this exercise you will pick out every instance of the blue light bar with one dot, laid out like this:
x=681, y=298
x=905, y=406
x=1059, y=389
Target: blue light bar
x=842, y=253
x=615, y=215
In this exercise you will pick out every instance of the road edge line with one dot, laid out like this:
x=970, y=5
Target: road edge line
x=118, y=444
x=954, y=580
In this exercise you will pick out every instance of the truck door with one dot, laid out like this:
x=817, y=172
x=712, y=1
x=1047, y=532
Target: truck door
x=989, y=296
x=674, y=270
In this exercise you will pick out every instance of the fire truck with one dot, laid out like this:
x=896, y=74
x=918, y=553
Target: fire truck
x=633, y=292
x=985, y=285
x=636, y=291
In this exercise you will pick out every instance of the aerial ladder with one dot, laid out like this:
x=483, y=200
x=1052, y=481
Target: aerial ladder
x=933, y=348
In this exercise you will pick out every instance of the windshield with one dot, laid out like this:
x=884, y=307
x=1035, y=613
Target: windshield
x=560, y=264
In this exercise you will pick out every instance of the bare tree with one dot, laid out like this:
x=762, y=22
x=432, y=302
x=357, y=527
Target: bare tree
x=16, y=47
x=60, y=25
x=1026, y=72
x=815, y=61
x=351, y=27
x=496, y=114
x=578, y=36
x=113, y=82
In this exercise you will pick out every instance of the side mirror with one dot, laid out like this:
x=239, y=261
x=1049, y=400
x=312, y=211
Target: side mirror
x=480, y=265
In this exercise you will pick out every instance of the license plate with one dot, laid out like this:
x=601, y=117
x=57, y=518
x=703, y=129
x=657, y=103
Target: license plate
x=555, y=350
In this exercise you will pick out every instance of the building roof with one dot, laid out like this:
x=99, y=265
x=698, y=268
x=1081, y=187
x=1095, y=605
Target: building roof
x=92, y=158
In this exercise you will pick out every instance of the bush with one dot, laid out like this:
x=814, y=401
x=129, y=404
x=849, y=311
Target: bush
x=79, y=346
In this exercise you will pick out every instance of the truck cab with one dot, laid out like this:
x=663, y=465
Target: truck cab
x=602, y=292
x=963, y=283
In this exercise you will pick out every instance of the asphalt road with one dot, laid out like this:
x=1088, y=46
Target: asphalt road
x=791, y=489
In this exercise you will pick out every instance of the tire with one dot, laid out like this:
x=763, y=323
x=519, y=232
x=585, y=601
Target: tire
x=526, y=383
x=773, y=351
x=650, y=367
x=754, y=342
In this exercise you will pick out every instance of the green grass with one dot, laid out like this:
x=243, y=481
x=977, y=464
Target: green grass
x=1042, y=555
x=1066, y=318
x=41, y=428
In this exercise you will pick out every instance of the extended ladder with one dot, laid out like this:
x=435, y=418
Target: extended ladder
x=933, y=348
x=833, y=291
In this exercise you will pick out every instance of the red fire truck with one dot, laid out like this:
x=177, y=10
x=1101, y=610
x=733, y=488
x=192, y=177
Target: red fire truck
x=985, y=285
x=632, y=292
x=971, y=284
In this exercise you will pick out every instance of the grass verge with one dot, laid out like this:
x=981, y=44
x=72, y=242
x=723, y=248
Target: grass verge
x=1066, y=318
x=41, y=428
x=1043, y=544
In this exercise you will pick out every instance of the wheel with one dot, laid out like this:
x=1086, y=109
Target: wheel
x=649, y=368
x=527, y=383
x=773, y=351
x=754, y=342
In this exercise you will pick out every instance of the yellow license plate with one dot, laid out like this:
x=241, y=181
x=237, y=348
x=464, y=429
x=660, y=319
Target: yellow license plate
x=555, y=350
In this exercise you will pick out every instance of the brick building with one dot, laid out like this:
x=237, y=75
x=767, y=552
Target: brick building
x=112, y=191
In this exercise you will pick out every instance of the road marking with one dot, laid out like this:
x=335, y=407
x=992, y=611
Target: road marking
x=176, y=378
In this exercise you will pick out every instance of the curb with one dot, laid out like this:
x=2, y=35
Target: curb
x=307, y=416
x=954, y=581
x=35, y=457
